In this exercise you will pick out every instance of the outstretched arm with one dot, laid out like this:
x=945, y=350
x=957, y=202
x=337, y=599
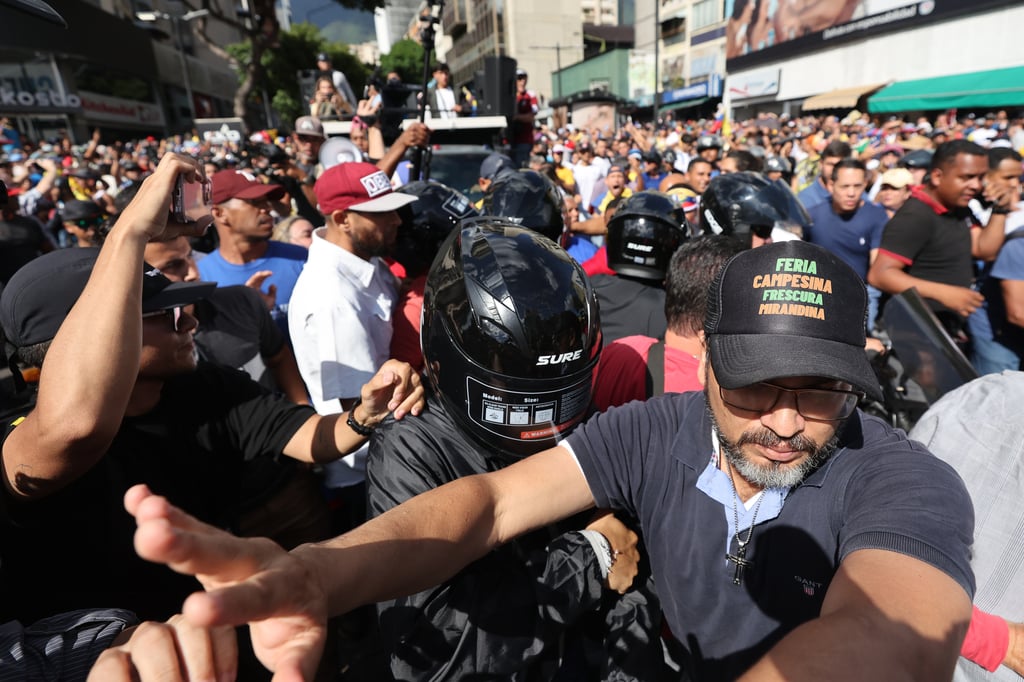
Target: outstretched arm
x=288, y=596
x=396, y=387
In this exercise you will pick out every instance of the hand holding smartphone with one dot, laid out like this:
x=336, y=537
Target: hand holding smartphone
x=191, y=201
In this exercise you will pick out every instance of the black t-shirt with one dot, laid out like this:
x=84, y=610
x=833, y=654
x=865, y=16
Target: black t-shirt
x=21, y=240
x=236, y=330
x=73, y=549
x=629, y=307
x=934, y=246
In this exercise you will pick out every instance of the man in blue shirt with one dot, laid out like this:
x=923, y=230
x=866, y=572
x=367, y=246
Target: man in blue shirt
x=817, y=192
x=848, y=226
x=246, y=254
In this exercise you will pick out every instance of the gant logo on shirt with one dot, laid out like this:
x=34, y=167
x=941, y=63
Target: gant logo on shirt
x=376, y=183
x=810, y=586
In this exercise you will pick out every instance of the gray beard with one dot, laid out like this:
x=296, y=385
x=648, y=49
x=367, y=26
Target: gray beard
x=772, y=475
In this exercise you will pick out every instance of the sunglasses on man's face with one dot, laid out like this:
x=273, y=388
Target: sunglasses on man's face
x=86, y=223
x=173, y=316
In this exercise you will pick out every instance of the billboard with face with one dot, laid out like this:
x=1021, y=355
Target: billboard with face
x=759, y=31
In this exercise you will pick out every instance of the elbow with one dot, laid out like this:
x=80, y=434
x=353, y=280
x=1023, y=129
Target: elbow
x=874, y=278
x=1015, y=316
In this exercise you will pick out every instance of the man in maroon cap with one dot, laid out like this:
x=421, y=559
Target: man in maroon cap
x=340, y=313
x=246, y=255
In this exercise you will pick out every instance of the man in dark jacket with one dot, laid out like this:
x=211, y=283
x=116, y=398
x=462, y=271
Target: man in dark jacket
x=546, y=605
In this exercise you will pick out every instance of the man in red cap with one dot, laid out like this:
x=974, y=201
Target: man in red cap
x=340, y=313
x=246, y=255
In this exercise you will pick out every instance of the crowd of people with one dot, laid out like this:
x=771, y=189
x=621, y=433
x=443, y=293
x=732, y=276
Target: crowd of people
x=602, y=424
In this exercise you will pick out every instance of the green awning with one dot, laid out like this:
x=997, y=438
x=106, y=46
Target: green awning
x=981, y=89
x=685, y=104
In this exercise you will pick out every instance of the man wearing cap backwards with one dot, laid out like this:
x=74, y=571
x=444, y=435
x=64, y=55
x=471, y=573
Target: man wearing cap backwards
x=246, y=254
x=340, y=315
x=791, y=536
x=122, y=400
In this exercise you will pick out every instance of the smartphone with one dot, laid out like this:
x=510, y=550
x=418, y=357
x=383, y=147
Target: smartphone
x=191, y=200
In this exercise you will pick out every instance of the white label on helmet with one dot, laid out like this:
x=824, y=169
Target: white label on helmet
x=559, y=358
x=639, y=247
x=715, y=227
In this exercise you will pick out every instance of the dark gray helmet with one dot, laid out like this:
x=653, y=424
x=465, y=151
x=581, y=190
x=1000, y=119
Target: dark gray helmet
x=919, y=158
x=645, y=231
x=776, y=164
x=709, y=142
x=426, y=223
x=529, y=199
x=743, y=204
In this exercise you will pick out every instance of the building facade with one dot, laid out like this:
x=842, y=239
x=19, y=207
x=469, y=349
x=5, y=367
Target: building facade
x=854, y=54
x=111, y=72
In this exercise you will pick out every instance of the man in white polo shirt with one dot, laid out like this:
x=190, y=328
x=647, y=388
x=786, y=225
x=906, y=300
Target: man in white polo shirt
x=340, y=312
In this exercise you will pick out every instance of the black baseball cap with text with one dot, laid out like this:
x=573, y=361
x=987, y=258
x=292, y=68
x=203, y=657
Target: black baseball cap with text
x=788, y=309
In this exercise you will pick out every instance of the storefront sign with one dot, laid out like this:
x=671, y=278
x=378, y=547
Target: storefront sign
x=45, y=99
x=221, y=130
x=709, y=88
x=754, y=84
x=117, y=110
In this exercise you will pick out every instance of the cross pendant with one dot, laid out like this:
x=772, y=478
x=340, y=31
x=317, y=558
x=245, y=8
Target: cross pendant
x=741, y=562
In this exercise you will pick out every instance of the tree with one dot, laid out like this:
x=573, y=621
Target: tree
x=263, y=31
x=406, y=58
x=296, y=50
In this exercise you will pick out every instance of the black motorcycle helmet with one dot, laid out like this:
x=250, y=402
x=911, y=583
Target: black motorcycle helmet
x=776, y=164
x=645, y=231
x=745, y=204
x=708, y=142
x=529, y=199
x=427, y=222
x=919, y=158
x=510, y=334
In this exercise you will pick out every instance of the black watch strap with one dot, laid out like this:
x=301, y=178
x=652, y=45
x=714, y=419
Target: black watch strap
x=361, y=429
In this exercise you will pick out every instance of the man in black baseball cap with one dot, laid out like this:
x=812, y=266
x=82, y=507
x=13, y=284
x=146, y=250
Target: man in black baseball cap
x=42, y=293
x=82, y=220
x=122, y=398
x=491, y=167
x=790, y=535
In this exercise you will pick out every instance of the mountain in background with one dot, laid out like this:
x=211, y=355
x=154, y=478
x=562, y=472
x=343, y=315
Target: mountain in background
x=337, y=23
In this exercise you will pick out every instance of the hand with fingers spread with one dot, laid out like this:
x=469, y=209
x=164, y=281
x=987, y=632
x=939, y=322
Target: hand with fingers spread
x=256, y=282
x=174, y=651
x=249, y=580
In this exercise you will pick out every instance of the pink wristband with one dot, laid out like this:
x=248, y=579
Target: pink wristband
x=987, y=640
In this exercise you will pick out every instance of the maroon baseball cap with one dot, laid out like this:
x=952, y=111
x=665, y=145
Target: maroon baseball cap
x=238, y=184
x=359, y=187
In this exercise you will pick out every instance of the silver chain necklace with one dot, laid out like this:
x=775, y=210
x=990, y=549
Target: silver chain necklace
x=740, y=557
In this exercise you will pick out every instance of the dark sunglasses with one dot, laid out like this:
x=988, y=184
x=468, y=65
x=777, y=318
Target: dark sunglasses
x=173, y=316
x=85, y=223
x=818, y=404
